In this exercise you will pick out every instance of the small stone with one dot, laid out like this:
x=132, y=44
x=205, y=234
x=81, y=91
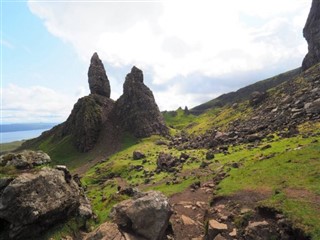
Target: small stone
x=187, y=221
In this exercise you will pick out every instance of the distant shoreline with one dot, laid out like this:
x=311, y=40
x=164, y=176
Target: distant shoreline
x=20, y=127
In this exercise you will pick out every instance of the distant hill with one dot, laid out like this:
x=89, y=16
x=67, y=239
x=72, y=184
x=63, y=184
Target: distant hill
x=17, y=127
x=245, y=92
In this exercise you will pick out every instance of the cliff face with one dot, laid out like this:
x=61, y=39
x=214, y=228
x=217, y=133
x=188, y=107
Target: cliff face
x=136, y=110
x=311, y=32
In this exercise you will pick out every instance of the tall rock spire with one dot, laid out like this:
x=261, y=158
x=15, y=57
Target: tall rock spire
x=136, y=110
x=311, y=32
x=98, y=80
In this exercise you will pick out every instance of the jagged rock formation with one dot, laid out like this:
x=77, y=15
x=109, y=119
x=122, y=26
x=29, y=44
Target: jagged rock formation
x=311, y=32
x=88, y=117
x=32, y=202
x=136, y=110
x=98, y=80
x=97, y=118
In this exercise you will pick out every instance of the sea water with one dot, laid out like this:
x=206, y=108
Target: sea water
x=6, y=137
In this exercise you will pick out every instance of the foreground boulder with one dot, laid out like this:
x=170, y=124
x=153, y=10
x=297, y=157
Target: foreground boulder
x=136, y=110
x=146, y=215
x=32, y=202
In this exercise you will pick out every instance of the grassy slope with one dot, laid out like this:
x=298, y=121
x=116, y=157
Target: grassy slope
x=9, y=147
x=244, y=93
x=217, y=117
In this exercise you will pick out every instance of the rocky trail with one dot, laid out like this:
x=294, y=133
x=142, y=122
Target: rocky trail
x=190, y=208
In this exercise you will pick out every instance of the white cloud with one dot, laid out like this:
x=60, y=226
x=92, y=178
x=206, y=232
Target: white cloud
x=180, y=38
x=34, y=104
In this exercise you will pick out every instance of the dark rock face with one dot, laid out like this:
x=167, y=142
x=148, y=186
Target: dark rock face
x=311, y=32
x=136, y=110
x=97, y=121
x=32, y=202
x=86, y=120
x=146, y=215
x=98, y=80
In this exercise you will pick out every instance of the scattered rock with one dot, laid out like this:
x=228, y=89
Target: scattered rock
x=138, y=155
x=210, y=155
x=187, y=221
x=257, y=97
x=146, y=214
x=166, y=162
x=214, y=228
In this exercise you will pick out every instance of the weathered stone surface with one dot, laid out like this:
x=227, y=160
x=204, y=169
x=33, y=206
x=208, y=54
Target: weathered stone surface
x=214, y=228
x=311, y=32
x=25, y=159
x=313, y=107
x=257, y=97
x=136, y=155
x=147, y=215
x=98, y=80
x=136, y=110
x=34, y=201
x=106, y=231
x=259, y=231
x=86, y=120
x=166, y=161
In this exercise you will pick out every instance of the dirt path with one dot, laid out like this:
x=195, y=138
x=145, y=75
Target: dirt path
x=190, y=208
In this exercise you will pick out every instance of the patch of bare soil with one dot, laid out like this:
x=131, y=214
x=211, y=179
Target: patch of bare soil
x=190, y=210
x=197, y=215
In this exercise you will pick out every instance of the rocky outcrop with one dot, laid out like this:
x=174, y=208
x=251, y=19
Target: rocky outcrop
x=311, y=32
x=136, y=110
x=32, y=202
x=89, y=115
x=25, y=160
x=97, y=121
x=146, y=215
x=98, y=80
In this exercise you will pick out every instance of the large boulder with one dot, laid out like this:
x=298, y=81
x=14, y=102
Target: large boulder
x=32, y=202
x=98, y=80
x=311, y=32
x=136, y=110
x=147, y=215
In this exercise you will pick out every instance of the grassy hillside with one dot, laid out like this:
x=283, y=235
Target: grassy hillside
x=244, y=93
x=287, y=171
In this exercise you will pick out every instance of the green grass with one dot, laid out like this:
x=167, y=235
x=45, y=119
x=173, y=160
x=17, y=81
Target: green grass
x=9, y=147
x=290, y=169
x=217, y=118
x=63, y=152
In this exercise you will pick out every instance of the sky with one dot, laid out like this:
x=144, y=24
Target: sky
x=190, y=51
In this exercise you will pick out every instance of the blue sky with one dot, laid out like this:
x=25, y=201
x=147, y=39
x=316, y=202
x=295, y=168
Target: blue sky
x=190, y=51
